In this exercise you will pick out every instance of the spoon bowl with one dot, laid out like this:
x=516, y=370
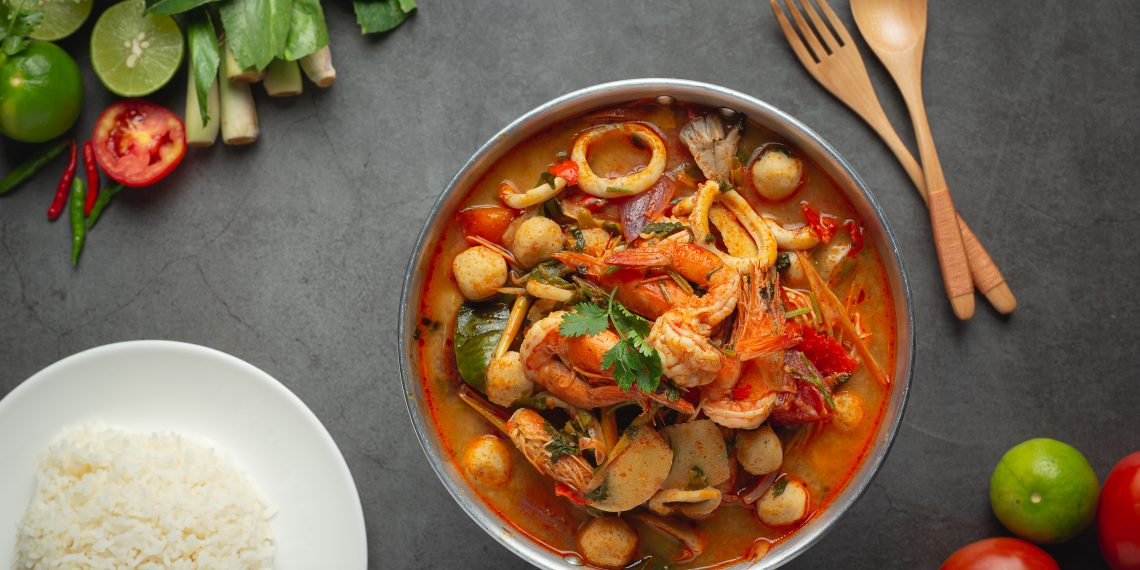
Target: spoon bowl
x=894, y=25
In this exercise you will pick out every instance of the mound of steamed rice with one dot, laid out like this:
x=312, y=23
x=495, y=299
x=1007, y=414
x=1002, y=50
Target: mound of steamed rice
x=106, y=498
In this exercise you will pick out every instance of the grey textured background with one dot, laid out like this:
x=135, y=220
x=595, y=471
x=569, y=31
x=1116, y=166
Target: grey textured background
x=289, y=253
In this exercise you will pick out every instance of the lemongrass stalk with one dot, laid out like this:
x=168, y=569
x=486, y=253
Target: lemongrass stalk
x=235, y=72
x=282, y=79
x=239, y=116
x=318, y=67
x=198, y=134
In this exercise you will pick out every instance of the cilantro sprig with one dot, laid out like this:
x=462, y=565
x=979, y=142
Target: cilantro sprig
x=16, y=23
x=632, y=359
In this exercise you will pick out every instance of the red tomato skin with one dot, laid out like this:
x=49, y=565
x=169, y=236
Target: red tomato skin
x=1000, y=554
x=567, y=170
x=115, y=124
x=487, y=222
x=1118, y=515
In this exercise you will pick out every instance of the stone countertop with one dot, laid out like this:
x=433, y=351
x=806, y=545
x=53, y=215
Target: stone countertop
x=289, y=253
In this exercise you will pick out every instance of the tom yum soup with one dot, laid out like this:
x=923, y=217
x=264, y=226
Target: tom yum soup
x=655, y=337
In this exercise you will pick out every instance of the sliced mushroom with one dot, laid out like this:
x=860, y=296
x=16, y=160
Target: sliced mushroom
x=700, y=458
x=711, y=144
x=634, y=474
x=696, y=504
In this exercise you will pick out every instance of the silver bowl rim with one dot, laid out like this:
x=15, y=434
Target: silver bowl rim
x=522, y=545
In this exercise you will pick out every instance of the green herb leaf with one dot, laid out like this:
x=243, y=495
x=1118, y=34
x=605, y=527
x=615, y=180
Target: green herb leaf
x=579, y=238
x=171, y=7
x=15, y=25
x=307, y=30
x=663, y=229
x=815, y=380
x=797, y=312
x=256, y=30
x=697, y=478
x=600, y=493
x=587, y=319
x=616, y=190
x=561, y=444
x=202, y=41
x=778, y=488
x=627, y=323
x=783, y=261
x=632, y=366
x=478, y=327
x=381, y=15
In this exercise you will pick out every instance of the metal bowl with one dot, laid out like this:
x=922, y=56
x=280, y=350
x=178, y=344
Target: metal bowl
x=878, y=232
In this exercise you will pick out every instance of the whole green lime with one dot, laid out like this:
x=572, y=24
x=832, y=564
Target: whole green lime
x=41, y=93
x=1044, y=490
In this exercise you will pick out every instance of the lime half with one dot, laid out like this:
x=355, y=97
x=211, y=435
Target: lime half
x=61, y=18
x=135, y=53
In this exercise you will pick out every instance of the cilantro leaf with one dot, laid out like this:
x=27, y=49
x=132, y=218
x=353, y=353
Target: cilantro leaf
x=560, y=444
x=587, y=319
x=15, y=25
x=627, y=323
x=778, y=488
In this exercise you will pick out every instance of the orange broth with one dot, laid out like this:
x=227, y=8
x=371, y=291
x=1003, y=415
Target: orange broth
x=825, y=463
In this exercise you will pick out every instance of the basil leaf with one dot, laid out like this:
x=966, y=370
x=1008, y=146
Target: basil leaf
x=171, y=7
x=381, y=15
x=307, y=30
x=202, y=41
x=478, y=327
x=256, y=30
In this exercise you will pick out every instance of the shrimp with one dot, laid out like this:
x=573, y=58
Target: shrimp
x=638, y=294
x=744, y=391
x=681, y=334
x=532, y=434
x=571, y=367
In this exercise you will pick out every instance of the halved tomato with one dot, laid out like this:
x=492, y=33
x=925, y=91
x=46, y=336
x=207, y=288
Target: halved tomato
x=138, y=142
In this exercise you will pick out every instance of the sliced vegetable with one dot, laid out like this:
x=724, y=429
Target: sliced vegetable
x=478, y=327
x=282, y=79
x=318, y=67
x=639, y=211
x=29, y=167
x=138, y=142
x=239, y=116
x=135, y=53
x=825, y=353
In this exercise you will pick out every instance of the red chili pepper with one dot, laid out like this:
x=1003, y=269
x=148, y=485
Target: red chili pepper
x=823, y=225
x=856, y=237
x=825, y=353
x=63, y=190
x=92, y=177
x=741, y=391
x=567, y=170
x=592, y=203
x=563, y=490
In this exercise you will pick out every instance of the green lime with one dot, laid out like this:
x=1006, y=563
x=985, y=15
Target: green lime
x=1044, y=490
x=135, y=53
x=61, y=17
x=41, y=93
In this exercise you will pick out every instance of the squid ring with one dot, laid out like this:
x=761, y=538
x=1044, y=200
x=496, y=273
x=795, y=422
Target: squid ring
x=635, y=183
x=795, y=239
x=708, y=193
x=510, y=195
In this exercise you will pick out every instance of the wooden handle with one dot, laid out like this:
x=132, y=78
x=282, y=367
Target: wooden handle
x=985, y=273
x=987, y=277
x=951, y=253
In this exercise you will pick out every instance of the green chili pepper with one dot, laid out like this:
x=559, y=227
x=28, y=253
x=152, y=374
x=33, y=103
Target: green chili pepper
x=101, y=202
x=31, y=166
x=78, y=225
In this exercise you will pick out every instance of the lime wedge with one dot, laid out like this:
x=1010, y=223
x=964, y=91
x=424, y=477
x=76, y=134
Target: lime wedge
x=135, y=53
x=61, y=18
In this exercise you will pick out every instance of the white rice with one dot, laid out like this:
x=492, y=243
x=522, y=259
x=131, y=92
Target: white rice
x=110, y=499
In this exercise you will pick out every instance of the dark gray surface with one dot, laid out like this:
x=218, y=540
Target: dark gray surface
x=289, y=253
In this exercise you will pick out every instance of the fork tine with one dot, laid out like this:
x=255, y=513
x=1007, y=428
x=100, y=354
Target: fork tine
x=820, y=26
x=836, y=23
x=806, y=31
x=805, y=55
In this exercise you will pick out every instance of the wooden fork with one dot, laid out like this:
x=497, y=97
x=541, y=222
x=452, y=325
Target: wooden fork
x=833, y=59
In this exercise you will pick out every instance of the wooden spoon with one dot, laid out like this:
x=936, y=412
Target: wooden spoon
x=896, y=31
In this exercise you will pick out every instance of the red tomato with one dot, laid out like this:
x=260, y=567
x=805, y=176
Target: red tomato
x=1118, y=515
x=1000, y=554
x=138, y=142
x=487, y=222
x=825, y=353
x=823, y=225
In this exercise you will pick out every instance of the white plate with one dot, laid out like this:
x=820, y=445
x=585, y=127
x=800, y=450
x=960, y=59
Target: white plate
x=161, y=385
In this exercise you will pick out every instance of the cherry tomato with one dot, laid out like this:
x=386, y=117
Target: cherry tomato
x=1118, y=515
x=1000, y=554
x=138, y=142
x=487, y=222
